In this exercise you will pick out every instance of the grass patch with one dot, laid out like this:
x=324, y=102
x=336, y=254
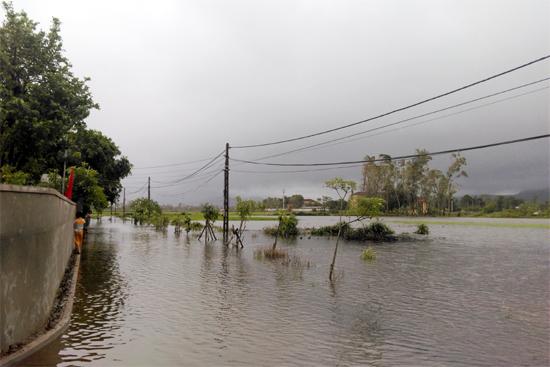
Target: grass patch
x=296, y=262
x=476, y=224
x=270, y=253
x=368, y=254
x=422, y=228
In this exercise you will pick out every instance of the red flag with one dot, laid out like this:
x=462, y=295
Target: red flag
x=69, y=190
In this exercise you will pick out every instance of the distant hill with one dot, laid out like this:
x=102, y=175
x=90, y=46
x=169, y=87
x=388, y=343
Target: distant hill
x=539, y=195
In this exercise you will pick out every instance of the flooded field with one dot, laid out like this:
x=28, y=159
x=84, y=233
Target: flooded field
x=470, y=295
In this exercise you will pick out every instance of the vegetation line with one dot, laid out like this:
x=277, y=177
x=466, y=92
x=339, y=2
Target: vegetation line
x=475, y=224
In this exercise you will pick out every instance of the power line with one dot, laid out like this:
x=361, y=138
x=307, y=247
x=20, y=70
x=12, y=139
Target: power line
x=397, y=109
x=339, y=140
x=137, y=191
x=207, y=165
x=174, y=164
x=438, y=118
x=194, y=179
x=195, y=188
x=333, y=142
x=447, y=151
x=300, y=170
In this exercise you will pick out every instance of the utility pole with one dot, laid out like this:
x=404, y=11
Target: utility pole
x=149, y=188
x=226, y=197
x=123, y=204
x=283, y=199
x=65, y=155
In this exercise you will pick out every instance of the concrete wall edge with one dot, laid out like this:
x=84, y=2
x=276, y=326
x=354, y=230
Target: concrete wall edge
x=44, y=339
x=35, y=190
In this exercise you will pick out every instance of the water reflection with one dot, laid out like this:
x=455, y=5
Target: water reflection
x=463, y=298
x=97, y=312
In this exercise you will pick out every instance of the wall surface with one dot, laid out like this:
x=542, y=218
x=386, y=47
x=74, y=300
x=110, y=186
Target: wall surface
x=36, y=240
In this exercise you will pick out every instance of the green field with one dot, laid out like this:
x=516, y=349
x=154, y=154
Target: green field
x=197, y=216
x=473, y=224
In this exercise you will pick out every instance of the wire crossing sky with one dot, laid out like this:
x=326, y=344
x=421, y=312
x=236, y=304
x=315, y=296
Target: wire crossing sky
x=178, y=79
x=543, y=58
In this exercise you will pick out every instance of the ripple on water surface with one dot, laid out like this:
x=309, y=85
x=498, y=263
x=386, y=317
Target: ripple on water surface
x=475, y=296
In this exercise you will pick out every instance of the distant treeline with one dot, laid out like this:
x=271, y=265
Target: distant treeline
x=411, y=186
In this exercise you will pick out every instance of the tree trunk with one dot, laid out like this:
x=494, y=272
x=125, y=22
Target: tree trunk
x=276, y=236
x=335, y=252
x=336, y=246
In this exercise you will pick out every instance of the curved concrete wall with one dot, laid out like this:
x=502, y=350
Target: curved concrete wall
x=36, y=240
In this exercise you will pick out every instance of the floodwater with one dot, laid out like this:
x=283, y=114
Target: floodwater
x=467, y=296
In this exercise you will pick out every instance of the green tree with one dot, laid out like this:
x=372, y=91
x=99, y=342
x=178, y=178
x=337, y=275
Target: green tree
x=296, y=201
x=9, y=175
x=144, y=209
x=364, y=207
x=87, y=192
x=41, y=100
x=210, y=214
x=453, y=172
x=287, y=227
x=244, y=208
x=102, y=154
x=342, y=188
x=415, y=170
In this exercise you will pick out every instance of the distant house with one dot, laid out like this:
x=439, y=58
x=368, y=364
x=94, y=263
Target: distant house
x=310, y=205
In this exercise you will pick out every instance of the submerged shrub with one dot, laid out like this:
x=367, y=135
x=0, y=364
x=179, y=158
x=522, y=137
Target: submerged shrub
x=195, y=226
x=376, y=231
x=331, y=230
x=368, y=254
x=160, y=222
x=270, y=231
x=379, y=230
x=288, y=226
x=422, y=229
x=270, y=253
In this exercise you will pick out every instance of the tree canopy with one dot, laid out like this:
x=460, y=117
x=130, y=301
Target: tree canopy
x=412, y=184
x=43, y=107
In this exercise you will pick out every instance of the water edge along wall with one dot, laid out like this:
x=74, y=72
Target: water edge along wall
x=36, y=241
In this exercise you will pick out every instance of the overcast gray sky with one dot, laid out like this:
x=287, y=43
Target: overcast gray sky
x=177, y=79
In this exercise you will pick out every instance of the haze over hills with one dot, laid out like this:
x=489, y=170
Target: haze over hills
x=538, y=195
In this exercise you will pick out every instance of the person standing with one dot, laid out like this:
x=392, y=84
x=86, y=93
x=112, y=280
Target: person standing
x=78, y=227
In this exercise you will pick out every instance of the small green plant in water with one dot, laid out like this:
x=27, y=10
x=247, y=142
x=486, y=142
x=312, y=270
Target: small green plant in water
x=422, y=229
x=368, y=254
x=160, y=222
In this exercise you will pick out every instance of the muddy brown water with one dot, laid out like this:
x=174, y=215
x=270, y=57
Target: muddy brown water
x=467, y=296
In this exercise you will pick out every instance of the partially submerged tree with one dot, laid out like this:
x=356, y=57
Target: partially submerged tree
x=287, y=227
x=245, y=208
x=361, y=209
x=144, y=209
x=342, y=188
x=211, y=214
x=182, y=221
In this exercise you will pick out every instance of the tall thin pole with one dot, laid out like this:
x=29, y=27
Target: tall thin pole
x=123, y=204
x=64, y=170
x=149, y=188
x=226, y=197
x=284, y=199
